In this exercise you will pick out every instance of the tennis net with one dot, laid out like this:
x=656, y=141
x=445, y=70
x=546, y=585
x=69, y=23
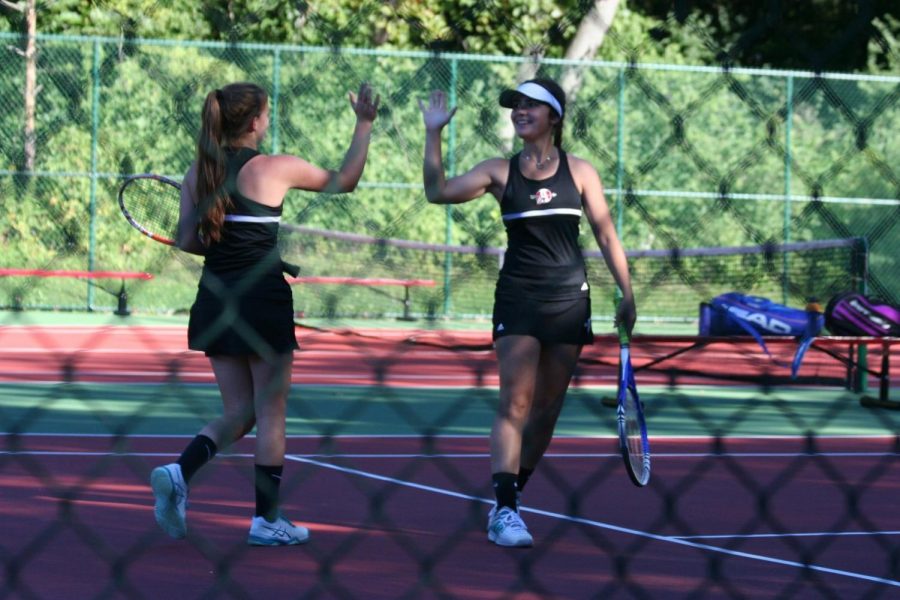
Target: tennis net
x=669, y=283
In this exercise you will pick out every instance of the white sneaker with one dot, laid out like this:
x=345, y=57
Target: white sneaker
x=508, y=529
x=493, y=510
x=171, y=494
x=280, y=533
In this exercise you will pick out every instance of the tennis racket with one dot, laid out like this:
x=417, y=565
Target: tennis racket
x=150, y=204
x=633, y=441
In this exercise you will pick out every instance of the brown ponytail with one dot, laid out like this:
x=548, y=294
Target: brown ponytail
x=227, y=115
x=557, y=134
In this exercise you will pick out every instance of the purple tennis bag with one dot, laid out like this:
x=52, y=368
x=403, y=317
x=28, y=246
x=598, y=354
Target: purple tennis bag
x=850, y=313
x=740, y=314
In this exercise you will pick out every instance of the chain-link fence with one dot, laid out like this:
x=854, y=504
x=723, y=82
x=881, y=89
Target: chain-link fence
x=690, y=156
x=759, y=489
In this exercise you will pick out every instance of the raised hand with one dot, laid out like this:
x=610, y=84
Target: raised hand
x=436, y=115
x=364, y=106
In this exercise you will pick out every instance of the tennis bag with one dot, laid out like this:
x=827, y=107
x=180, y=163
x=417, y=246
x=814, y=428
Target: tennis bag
x=739, y=314
x=850, y=313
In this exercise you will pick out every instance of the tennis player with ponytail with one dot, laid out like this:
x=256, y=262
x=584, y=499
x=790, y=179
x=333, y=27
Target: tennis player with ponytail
x=231, y=204
x=542, y=310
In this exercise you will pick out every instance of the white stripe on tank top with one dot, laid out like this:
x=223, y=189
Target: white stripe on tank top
x=543, y=213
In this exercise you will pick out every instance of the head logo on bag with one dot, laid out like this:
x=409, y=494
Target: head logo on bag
x=761, y=320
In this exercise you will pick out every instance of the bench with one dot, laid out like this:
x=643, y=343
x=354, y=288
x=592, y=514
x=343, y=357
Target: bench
x=372, y=283
x=121, y=294
x=850, y=351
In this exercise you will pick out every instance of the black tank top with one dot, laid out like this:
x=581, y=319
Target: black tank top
x=543, y=259
x=248, y=248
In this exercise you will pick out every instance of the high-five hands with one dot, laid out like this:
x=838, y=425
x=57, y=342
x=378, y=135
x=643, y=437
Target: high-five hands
x=436, y=115
x=364, y=106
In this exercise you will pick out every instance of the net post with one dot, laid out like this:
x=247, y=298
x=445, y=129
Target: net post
x=406, y=302
x=122, y=309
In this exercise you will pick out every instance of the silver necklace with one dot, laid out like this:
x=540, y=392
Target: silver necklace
x=537, y=161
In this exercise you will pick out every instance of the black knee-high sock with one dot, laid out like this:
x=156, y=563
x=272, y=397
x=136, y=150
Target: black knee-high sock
x=522, y=479
x=268, y=481
x=505, y=490
x=200, y=451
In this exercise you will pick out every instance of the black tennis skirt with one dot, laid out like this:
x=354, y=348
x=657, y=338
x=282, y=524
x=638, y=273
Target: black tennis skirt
x=551, y=321
x=241, y=325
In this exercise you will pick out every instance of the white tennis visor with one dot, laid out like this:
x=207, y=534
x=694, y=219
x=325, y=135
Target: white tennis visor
x=535, y=91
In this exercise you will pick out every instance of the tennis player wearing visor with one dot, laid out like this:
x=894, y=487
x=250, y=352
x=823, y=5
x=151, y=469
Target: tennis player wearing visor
x=542, y=306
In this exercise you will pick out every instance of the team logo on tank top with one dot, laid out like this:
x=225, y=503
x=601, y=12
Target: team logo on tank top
x=543, y=196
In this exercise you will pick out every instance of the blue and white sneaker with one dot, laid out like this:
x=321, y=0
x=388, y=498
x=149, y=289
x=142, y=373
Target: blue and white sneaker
x=171, y=493
x=281, y=532
x=508, y=529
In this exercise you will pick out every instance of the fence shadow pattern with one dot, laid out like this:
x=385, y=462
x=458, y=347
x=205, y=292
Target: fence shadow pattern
x=691, y=157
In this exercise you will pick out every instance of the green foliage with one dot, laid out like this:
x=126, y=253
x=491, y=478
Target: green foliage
x=813, y=35
x=702, y=132
x=684, y=132
x=884, y=46
x=806, y=35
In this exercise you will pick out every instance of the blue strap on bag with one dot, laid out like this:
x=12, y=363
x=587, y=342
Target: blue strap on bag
x=740, y=314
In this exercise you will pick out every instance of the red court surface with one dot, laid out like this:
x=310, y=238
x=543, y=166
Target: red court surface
x=402, y=357
x=404, y=517
x=388, y=521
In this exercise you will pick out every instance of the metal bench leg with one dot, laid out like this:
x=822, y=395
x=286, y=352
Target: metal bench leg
x=884, y=384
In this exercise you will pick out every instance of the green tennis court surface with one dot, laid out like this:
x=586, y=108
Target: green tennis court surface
x=59, y=318
x=95, y=408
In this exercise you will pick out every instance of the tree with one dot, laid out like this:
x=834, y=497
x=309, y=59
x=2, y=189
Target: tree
x=28, y=8
x=588, y=39
x=816, y=35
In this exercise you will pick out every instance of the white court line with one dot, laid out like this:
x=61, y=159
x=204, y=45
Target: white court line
x=406, y=456
x=472, y=436
x=601, y=525
x=52, y=377
x=783, y=535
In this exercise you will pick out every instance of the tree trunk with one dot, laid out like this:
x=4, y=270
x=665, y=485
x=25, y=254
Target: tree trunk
x=30, y=85
x=588, y=39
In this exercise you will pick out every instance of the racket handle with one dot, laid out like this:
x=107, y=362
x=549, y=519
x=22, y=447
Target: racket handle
x=292, y=270
x=624, y=338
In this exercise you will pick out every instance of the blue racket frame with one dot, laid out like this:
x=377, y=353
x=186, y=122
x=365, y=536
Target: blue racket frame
x=638, y=473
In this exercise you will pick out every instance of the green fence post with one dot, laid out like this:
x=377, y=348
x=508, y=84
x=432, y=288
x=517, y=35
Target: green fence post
x=451, y=172
x=620, y=154
x=620, y=164
x=788, y=121
x=273, y=103
x=95, y=126
x=861, y=266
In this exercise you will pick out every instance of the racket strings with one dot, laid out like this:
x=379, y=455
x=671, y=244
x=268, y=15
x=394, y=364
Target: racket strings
x=634, y=433
x=151, y=204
